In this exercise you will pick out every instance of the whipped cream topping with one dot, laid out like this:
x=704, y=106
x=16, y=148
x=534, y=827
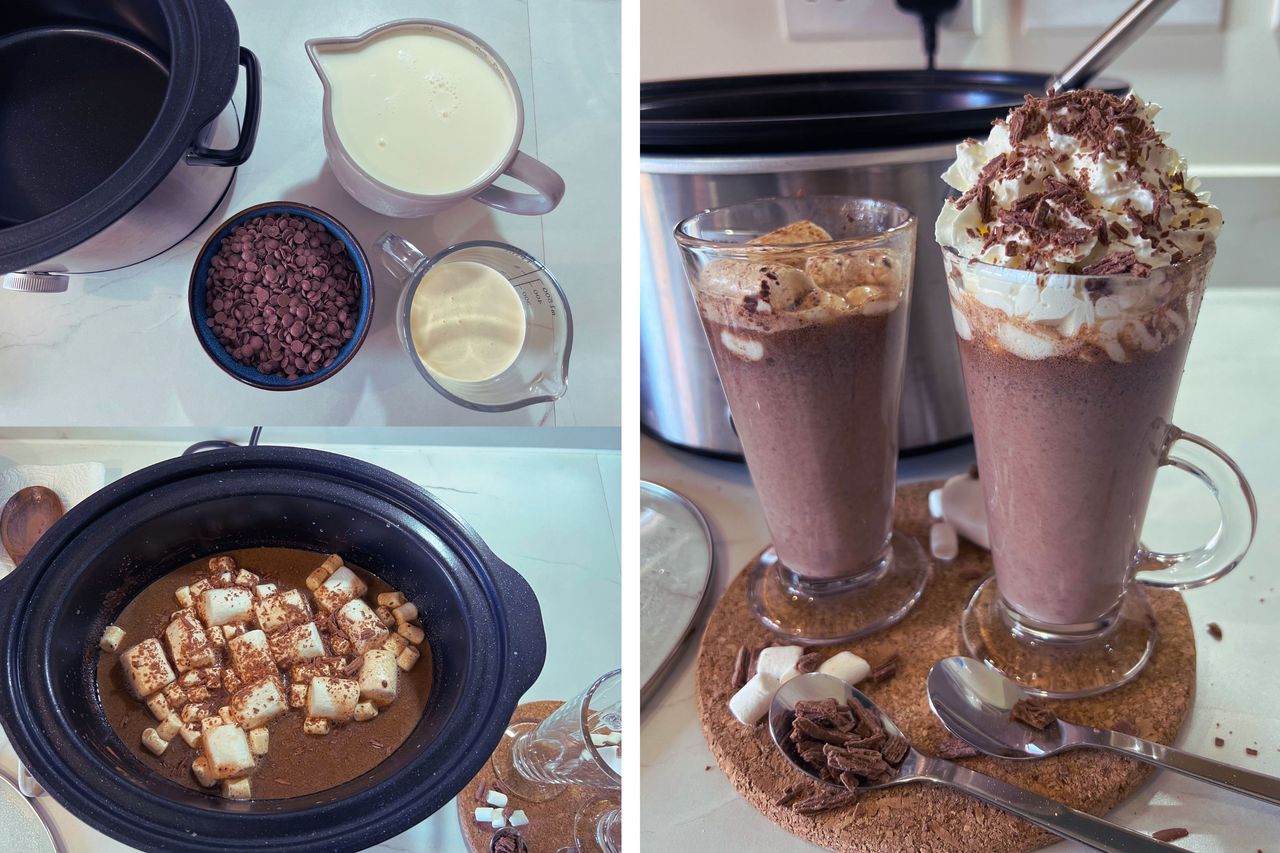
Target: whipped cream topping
x=1080, y=182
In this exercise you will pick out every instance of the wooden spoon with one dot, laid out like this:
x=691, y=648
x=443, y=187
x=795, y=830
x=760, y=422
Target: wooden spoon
x=25, y=518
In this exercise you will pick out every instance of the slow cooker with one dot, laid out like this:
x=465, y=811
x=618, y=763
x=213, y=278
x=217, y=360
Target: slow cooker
x=481, y=618
x=720, y=141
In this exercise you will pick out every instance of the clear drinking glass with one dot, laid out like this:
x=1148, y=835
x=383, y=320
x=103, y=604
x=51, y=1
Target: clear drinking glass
x=809, y=340
x=580, y=743
x=1071, y=383
x=597, y=827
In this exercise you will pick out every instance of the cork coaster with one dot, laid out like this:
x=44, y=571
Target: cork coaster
x=550, y=824
x=927, y=817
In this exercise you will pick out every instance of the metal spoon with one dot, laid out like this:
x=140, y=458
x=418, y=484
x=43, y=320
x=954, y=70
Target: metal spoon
x=25, y=518
x=1045, y=813
x=1106, y=47
x=973, y=701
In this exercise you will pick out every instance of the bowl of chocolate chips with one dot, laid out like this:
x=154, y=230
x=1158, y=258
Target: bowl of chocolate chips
x=281, y=296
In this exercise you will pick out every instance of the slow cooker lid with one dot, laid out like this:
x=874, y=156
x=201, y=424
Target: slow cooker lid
x=201, y=45
x=816, y=112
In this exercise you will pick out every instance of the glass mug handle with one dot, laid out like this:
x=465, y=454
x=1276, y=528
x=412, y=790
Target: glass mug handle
x=1238, y=517
x=399, y=256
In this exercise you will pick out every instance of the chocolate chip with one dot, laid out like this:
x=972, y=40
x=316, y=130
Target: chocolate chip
x=1173, y=833
x=1248, y=750
x=1215, y=630
x=264, y=310
x=1218, y=741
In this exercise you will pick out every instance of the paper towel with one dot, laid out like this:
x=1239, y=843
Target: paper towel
x=71, y=483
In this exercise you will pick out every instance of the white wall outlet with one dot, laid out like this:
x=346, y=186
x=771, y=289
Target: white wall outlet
x=1038, y=16
x=832, y=20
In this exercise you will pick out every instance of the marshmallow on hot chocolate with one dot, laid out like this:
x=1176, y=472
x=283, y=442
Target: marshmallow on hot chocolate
x=339, y=588
x=146, y=669
x=236, y=789
x=378, y=676
x=333, y=699
x=297, y=644
x=779, y=662
x=751, y=702
x=226, y=748
x=258, y=704
x=251, y=657
x=226, y=606
x=282, y=610
x=361, y=625
x=847, y=667
x=188, y=644
x=111, y=638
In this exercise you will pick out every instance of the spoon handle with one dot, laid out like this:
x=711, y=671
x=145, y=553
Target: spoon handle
x=1045, y=813
x=1206, y=769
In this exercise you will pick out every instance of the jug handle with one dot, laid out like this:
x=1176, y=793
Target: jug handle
x=545, y=180
x=399, y=256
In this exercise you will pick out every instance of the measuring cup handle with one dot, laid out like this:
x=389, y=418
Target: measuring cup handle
x=399, y=256
x=1237, y=521
x=535, y=173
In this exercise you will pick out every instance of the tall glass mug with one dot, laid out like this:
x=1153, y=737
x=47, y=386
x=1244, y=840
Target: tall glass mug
x=808, y=328
x=1071, y=383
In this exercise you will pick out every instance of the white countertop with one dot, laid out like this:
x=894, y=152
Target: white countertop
x=553, y=514
x=118, y=348
x=1228, y=396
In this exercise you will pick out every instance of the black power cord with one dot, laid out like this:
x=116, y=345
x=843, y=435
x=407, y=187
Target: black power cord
x=219, y=444
x=929, y=11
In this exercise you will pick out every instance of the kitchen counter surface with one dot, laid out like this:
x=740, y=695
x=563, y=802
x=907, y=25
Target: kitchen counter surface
x=553, y=514
x=1227, y=395
x=118, y=348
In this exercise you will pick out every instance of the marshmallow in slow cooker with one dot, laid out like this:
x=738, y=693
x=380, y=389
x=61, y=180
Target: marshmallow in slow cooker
x=751, y=702
x=146, y=669
x=296, y=644
x=258, y=704
x=361, y=625
x=226, y=748
x=333, y=699
x=225, y=606
x=379, y=676
x=339, y=588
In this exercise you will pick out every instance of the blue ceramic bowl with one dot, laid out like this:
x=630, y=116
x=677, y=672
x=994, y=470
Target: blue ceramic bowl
x=200, y=315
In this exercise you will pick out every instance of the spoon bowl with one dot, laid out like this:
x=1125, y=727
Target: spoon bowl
x=973, y=701
x=25, y=518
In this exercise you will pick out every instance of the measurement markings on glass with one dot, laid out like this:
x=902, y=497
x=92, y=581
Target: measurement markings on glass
x=534, y=291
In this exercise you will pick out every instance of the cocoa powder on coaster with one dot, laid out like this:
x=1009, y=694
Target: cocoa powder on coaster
x=282, y=295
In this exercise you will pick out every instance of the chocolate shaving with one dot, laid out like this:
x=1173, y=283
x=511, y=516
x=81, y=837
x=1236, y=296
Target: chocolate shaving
x=508, y=840
x=1215, y=630
x=886, y=669
x=953, y=748
x=825, y=801
x=1126, y=727
x=1033, y=713
x=790, y=794
x=895, y=749
x=1173, y=833
x=1248, y=750
x=741, y=664
x=809, y=663
x=1219, y=742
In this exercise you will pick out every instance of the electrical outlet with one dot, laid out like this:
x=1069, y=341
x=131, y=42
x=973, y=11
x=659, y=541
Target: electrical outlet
x=830, y=20
x=1054, y=15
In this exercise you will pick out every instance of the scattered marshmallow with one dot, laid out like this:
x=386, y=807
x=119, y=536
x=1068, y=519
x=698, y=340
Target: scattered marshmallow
x=751, y=702
x=847, y=667
x=339, y=588
x=379, y=676
x=225, y=606
x=175, y=695
x=251, y=657
x=281, y=610
x=146, y=669
x=361, y=625
x=169, y=728
x=964, y=508
x=297, y=644
x=258, y=704
x=183, y=596
x=364, y=712
x=188, y=644
x=245, y=578
x=780, y=662
x=203, y=772
x=151, y=740
x=259, y=740
x=190, y=733
x=496, y=798
x=297, y=695
x=316, y=726
x=407, y=658
x=333, y=698
x=499, y=819
x=390, y=599
x=406, y=612
x=935, y=503
x=209, y=722
x=519, y=818
x=943, y=541
x=225, y=713
x=396, y=644
x=227, y=749
x=412, y=633
x=483, y=815
x=159, y=706
x=111, y=638
x=237, y=789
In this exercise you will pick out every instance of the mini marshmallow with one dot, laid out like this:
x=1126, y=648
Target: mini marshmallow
x=194, y=712
x=519, y=818
x=406, y=612
x=295, y=645
x=331, y=564
x=175, y=695
x=496, y=798
x=232, y=631
x=282, y=610
x=225, y=606
x=188, y=644
x=412, y=633
x=170, y=727
x=483, y=815
x=339, y=588
x=316, y=578
x=360, y=625
x=151, y=740
x=340, y=645
x=391, y=599
x=159, y=706
x=751, y=702
x=203, y=773
x=847, y=667
x=210, y=722
x=111, y=638
x=258, y=704
x=237, y=789
x=245, y=578
x=251, y=657
x=190, y=733
x=407, y=658
x=379, y=676
x=146, y=669
x=499, y=819
x=964, y=507
x=297, y=695
x=225, y=713
x=197, y=589
x=364, y=712
x=385, y=616
x=259, y=740
x=943, y=542
x=265, y=590
x=223, y=563
x=396, y=643
x=198, y=694
x=935, y=503
x=227, y=750
x=316, y=726
x=779, y=662
x=333, y=698
x=183, y=596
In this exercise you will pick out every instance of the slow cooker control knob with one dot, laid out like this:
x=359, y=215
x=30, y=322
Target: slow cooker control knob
x=36, y=282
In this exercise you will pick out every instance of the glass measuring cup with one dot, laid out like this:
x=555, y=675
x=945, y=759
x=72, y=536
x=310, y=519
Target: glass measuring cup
x=540, y=372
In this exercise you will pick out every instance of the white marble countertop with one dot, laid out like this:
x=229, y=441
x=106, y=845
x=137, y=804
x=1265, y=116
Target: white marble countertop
x=1227, y=395
x=553, y=514
x=118, y=348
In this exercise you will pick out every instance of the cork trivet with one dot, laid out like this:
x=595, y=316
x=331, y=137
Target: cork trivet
x=550, y=824
x=924, y=816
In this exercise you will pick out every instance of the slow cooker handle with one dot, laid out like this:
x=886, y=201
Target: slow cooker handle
x=527, y=638
x=202, y=156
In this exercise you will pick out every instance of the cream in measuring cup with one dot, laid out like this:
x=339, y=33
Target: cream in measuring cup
x=466, y=321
